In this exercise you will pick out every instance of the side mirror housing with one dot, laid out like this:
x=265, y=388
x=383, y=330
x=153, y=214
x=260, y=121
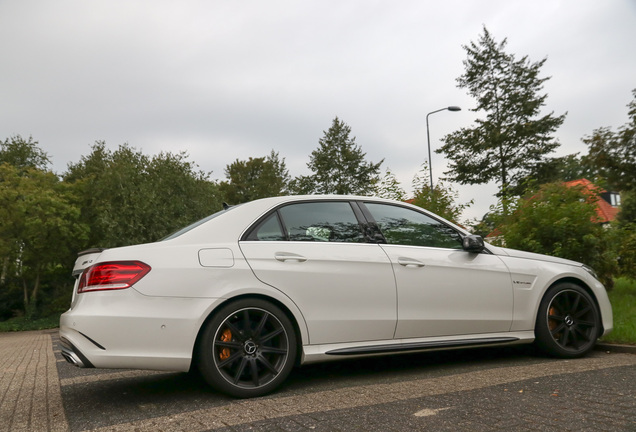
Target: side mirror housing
x=473, y=243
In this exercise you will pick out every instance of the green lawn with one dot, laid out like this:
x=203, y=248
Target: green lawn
x=623, y=298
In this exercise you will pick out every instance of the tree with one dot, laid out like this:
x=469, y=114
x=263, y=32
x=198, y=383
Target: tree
x=440, y=200
x=513, y=136
x=39, y=229
x=23, y=154
x=389, y=187
x=255, y=178
x=130, y=198
x=550, y=170
x=613, y=154
x=559, y=220
x=338, y=166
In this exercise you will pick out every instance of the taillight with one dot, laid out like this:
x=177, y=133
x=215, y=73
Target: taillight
x=113, y=275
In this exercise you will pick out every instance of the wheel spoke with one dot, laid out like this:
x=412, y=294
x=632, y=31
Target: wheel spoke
x=575, y=306
x=565, y=337
x=231, y=345
x=230, y=359
x=271, y=335
x=575, y=337
x=558, y=329
x=586, y=323
x=268, y=365
x=583, y=311
x=273, y=350
x=254, y=370
x=261, y=325
x=236, y=332
x=582, y=333
x=239, y=370
x=247, y=324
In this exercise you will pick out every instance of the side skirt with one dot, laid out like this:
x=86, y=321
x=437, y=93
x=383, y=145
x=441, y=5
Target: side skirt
x=420, y=346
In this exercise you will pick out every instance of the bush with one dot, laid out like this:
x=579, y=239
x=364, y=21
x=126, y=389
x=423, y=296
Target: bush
x=559, y=220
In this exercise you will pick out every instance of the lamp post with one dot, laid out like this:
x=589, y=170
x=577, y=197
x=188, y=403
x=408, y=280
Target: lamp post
x=428, y=139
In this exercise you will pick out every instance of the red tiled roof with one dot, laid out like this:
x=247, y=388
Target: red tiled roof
x=604, y=211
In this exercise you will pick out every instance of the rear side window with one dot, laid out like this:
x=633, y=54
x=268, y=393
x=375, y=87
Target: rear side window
x=310, y=221
x=404, y=226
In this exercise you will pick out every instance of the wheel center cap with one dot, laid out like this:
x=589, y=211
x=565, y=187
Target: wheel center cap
x=249, y=347
x=569, y=321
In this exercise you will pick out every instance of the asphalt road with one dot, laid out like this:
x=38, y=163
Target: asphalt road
x=509, y=389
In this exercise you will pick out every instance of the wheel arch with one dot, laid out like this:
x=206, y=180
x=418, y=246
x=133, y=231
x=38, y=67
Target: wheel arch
x=277, y=303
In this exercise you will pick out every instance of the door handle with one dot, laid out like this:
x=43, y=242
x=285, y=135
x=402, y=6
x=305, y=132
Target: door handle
x=287, y=256
x=409, y=262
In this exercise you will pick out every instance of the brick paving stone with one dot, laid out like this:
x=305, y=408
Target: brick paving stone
x=30, y=398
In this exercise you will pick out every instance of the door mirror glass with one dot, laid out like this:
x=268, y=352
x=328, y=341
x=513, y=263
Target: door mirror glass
x=473, y=243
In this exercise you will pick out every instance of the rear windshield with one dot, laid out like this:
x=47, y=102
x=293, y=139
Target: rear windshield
x=196, y=224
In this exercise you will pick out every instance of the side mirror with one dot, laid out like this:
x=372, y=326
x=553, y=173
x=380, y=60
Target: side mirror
x=473, y=243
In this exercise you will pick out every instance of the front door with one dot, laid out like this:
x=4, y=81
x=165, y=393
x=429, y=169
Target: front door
x=442, y=289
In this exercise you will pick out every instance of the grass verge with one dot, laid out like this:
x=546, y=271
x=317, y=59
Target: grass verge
x=623, y=299
x=24, y=324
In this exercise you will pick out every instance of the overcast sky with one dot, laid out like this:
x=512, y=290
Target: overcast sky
x=235, y=79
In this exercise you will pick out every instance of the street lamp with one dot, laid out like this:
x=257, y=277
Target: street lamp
x=428, y=139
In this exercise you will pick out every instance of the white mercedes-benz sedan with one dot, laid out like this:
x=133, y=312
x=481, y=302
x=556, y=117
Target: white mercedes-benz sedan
x=249, y=292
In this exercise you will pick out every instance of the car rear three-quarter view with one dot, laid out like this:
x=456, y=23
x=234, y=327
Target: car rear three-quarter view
x=248, y=293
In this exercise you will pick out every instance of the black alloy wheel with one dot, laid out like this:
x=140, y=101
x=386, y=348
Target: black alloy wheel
x=249, y=348
x=568, y=321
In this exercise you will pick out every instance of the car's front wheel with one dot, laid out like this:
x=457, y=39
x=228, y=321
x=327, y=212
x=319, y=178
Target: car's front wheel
x=568, y=321
x=248, y=348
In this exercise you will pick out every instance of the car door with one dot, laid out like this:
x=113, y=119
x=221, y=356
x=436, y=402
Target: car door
x=442, y=289
x=316, y=253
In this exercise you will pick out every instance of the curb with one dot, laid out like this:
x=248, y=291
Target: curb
x=615, y=348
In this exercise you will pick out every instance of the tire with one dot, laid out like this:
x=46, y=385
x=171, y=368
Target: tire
x=568, y=322
x=247, y=349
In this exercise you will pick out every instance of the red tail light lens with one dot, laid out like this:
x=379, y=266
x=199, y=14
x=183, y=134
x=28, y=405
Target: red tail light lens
x=114, y=275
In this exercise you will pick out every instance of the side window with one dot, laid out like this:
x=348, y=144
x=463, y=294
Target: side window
x=268, y=230
x=321, y=221
x=408, y=227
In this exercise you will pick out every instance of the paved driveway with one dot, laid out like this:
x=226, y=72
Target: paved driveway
x=477, y=390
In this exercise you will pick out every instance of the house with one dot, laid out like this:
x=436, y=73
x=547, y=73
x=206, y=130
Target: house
x=607, y=206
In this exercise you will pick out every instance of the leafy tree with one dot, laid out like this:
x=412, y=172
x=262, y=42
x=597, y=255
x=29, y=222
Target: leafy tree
x=23, y=154
x=440, y=200
x=389, y=187
x=130, y=198
x=39, y=229
x=255, y=178
x=550, y=170
x=559, y=220
x=513, y=137
x=338, y=166
x=613, y=154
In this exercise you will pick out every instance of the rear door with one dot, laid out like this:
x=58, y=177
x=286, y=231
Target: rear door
x=316, y=253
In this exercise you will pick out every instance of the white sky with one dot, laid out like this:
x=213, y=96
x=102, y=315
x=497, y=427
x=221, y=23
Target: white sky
x=232, y=79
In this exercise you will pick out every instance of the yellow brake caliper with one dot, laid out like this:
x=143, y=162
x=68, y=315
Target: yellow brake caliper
x=226, y=336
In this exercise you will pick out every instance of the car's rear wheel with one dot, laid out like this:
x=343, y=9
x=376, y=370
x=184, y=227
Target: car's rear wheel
x=568, y=321
x=248, y=348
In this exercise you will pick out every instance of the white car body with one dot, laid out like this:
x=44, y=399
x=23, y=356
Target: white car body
x=344, y=299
